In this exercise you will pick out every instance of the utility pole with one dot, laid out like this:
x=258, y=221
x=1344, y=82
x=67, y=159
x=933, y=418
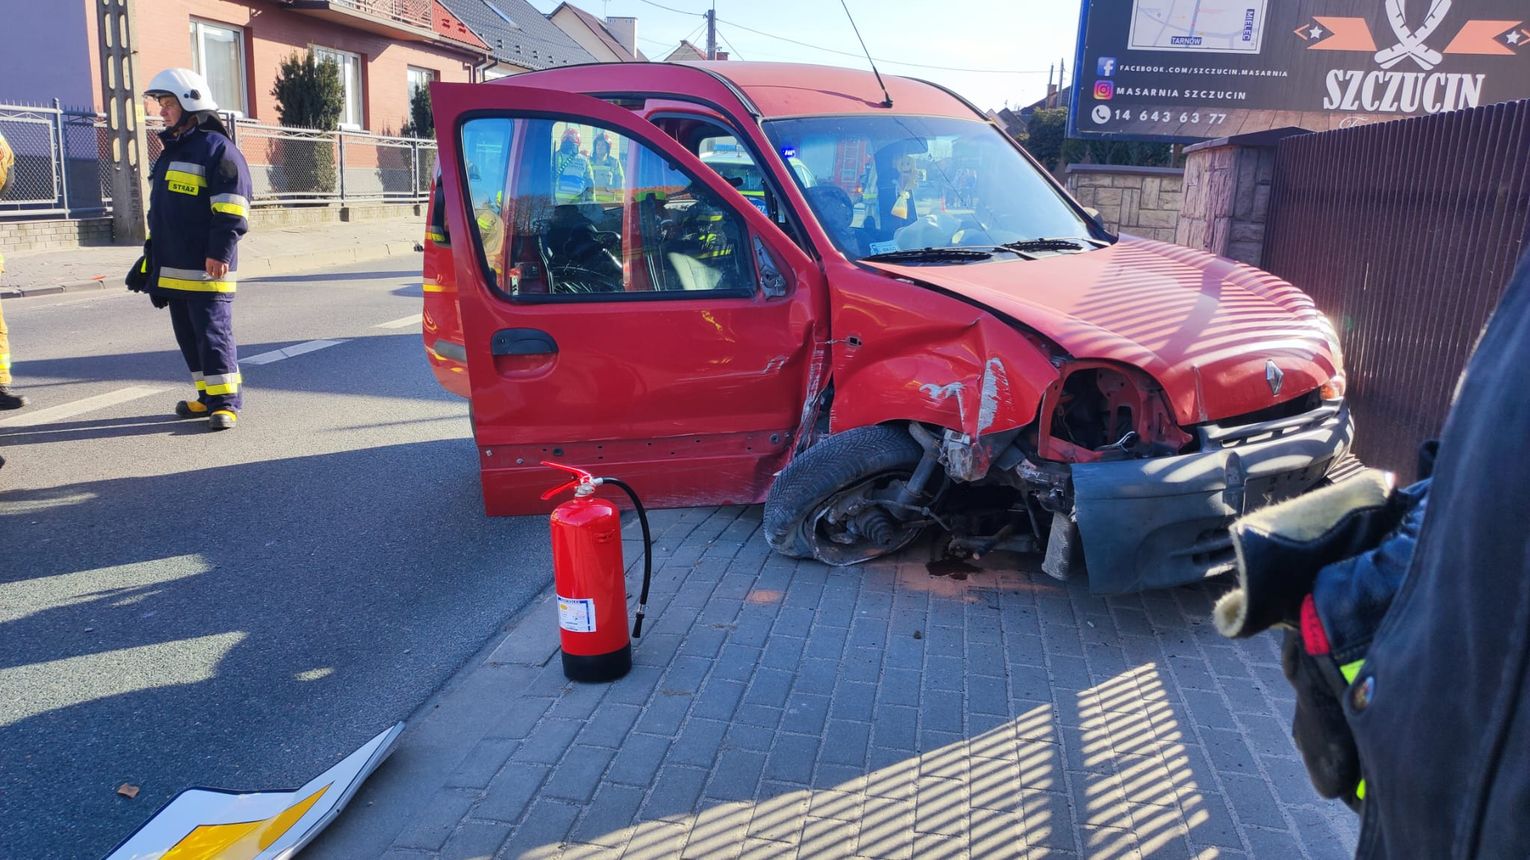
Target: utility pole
x=712, y=32
x=124, y=118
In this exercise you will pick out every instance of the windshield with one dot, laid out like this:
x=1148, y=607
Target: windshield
x=901, y=183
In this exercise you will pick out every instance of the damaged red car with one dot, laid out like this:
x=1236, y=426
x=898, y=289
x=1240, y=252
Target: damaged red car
x=868, y=309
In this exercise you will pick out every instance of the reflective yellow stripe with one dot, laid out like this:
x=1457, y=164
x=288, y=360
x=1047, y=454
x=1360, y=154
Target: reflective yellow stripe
x=432, y=288
x=435, y=235
x=224, y=383
x=1350, y=670
x=183, y=182
x=231, y=209
x=1360, y=790
x=197, y=286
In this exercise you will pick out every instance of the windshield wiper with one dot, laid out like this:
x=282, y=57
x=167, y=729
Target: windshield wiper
x=1048, y=244
x=930, y=255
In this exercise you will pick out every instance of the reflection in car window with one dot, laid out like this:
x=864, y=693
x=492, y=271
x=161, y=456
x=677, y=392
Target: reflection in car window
x=576, y=211
x=891, y=183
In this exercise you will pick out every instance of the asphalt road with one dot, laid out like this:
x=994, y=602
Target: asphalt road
x=236, y=610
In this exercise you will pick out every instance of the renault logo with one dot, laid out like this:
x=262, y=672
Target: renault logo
x=1274, y=376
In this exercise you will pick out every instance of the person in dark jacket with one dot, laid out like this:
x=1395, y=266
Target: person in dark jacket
x=1409, y=623
x=199, y=202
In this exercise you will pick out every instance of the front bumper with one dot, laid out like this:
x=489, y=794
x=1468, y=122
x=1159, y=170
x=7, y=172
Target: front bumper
x=1163, y=522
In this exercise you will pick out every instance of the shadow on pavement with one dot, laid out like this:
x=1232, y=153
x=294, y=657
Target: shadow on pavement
x=315, y=277
x=242, y=627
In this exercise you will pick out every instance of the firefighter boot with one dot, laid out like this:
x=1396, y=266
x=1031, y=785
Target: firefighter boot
x=9, y=400
x=223, y=419
x=191, y=409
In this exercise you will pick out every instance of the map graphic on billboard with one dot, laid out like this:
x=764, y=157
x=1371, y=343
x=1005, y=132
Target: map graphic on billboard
x=1188, y=70
x=1196, y=25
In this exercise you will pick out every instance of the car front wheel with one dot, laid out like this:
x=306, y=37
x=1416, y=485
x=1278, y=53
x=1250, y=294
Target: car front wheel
x=834, y=501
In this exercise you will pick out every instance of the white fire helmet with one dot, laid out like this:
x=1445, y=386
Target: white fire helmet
x=188, y=87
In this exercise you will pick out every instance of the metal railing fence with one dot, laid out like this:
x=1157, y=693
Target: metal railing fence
x=64, y=164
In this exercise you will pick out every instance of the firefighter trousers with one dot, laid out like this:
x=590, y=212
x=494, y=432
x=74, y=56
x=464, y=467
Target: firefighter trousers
x=204, y=328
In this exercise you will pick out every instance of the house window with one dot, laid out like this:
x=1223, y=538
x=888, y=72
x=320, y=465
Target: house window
x=350, y=81
x=419, y=78
x=217, y=52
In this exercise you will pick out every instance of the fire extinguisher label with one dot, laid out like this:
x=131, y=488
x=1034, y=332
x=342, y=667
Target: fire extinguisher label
x=576, y=615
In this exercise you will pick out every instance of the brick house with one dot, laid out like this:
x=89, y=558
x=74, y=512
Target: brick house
x=609, y=40
x=384, y=49
x=519, y=38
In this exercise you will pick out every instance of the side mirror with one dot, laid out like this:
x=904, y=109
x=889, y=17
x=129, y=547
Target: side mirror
x=772, y=282
x=1094, y=215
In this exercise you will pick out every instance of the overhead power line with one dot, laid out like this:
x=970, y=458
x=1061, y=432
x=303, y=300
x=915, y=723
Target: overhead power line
x=849, y=53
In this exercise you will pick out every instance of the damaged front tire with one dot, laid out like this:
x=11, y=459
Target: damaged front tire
x=828, y=502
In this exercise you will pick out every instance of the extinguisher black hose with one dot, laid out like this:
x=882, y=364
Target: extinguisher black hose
x=637, y=626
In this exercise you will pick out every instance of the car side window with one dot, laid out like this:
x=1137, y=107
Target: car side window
x=585, y=213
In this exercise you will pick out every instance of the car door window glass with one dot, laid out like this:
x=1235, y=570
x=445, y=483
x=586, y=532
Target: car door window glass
x=586, y=213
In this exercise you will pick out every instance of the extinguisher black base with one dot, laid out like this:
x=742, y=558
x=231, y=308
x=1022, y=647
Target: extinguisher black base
x=598, y=668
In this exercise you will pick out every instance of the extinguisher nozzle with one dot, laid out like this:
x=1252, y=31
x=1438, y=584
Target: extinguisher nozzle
x=637, y=626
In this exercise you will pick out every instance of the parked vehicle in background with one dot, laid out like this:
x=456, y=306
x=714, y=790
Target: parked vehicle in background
x=959, y=348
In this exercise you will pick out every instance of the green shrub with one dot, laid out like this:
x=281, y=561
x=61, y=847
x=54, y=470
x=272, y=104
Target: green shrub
x=308, y=95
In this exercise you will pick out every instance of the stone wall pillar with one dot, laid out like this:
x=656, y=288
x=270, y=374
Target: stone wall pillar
x=1227, y=194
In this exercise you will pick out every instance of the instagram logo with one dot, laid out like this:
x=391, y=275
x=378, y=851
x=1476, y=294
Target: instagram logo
x=1104, y=91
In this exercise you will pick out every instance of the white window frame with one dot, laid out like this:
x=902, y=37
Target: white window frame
x=199, y=61
x=431, y=75
x=342, y=59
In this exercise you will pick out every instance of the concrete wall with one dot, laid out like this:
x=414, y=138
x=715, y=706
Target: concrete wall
x=1142, y=201
x=271, y=33
x=17, y=236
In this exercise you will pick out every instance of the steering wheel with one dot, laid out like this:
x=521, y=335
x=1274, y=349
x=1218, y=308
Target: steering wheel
x=833, y=205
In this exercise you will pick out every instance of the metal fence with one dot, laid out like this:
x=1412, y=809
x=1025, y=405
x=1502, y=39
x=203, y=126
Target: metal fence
x=64, y=164
x=1405, y=234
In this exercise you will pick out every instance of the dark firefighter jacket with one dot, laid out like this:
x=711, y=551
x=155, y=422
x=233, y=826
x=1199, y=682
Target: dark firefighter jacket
x=1444, y=728
x=199, y=202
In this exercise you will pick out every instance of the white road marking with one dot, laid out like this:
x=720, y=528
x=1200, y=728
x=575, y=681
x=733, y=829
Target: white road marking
x=80, y=407
x=405, y=322
x=289, y=352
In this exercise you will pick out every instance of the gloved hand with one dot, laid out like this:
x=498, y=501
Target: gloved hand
x=159, y=301
x=1322, y=735
x=137, y=279
x=1281, y=548
x=1331, y=612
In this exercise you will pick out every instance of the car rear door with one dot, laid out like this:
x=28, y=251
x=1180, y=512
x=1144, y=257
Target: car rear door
x=668, y=337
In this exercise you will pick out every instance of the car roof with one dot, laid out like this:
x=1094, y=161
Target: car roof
x=772, y=90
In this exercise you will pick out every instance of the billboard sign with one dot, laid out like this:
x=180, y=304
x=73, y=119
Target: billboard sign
x=1187, y=70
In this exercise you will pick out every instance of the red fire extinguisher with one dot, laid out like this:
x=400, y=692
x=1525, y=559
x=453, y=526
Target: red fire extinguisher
x=590, y=578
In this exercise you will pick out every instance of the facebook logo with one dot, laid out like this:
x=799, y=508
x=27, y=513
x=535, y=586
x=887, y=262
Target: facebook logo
x=1105, y=67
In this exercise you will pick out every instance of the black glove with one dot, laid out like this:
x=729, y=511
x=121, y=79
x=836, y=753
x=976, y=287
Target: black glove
x=158, y=301
x=1319, y=728
x=137, y=279
x=1280, y=549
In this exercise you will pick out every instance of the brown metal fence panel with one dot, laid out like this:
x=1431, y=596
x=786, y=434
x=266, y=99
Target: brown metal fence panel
x=1404, y=233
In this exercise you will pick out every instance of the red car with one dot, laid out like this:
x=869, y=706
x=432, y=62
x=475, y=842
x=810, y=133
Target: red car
x=911, y=327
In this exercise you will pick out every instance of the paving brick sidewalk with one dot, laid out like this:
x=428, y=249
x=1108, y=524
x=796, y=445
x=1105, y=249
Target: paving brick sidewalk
x=263, y=251
x=789, y=709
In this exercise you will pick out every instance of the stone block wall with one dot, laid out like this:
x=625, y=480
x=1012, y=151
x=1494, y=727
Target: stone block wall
x=54, y=235
x=1142, y=201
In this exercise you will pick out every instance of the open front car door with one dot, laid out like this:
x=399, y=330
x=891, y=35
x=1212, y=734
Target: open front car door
x=624, y=309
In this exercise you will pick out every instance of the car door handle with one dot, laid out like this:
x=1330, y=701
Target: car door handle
x=522, y=341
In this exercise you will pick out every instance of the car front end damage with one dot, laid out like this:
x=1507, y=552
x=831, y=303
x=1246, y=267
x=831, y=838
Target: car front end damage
x=1135, y=513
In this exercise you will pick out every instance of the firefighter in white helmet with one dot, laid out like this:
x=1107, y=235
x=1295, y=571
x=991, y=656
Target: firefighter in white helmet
x=199, y=202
